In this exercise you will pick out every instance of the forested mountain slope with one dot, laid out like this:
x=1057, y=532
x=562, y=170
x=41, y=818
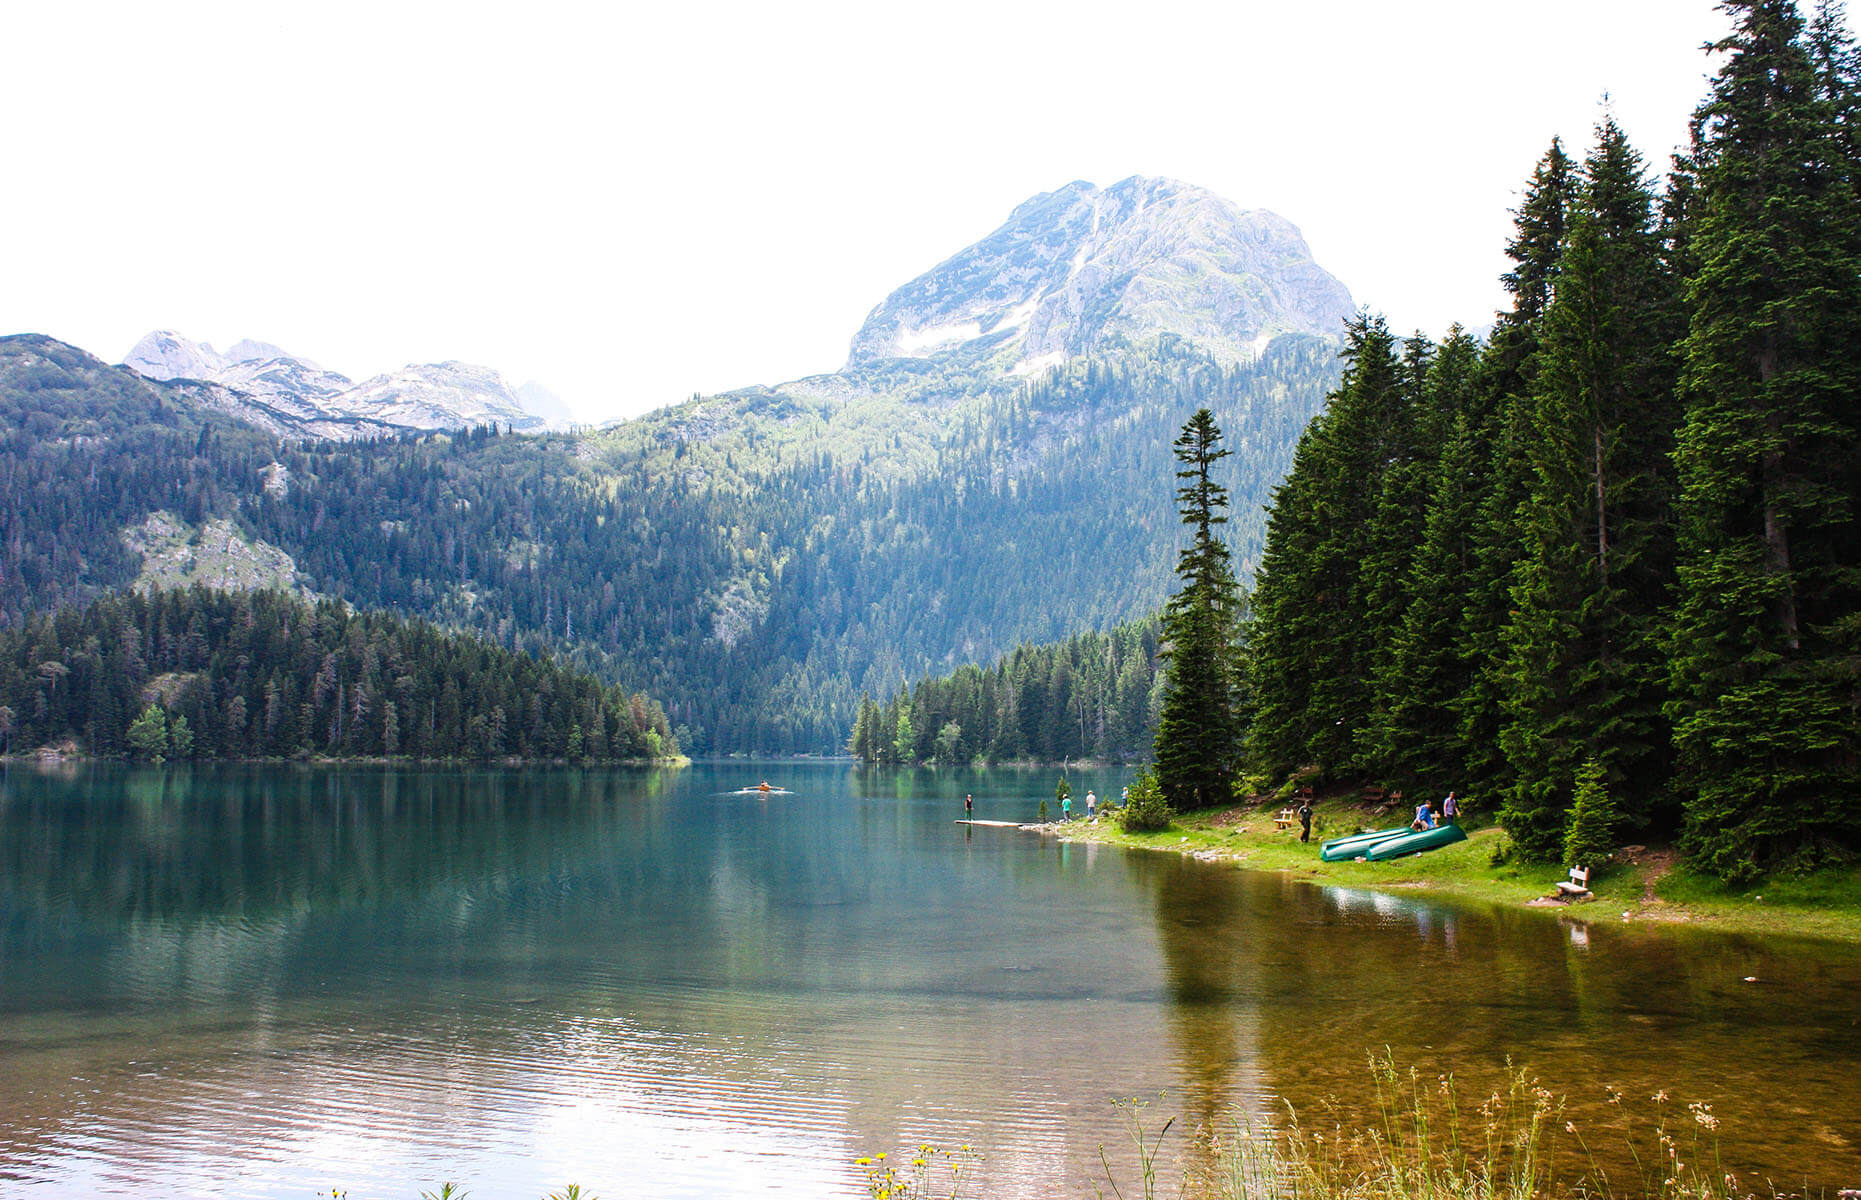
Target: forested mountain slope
x=200, y=674
x=758, y=560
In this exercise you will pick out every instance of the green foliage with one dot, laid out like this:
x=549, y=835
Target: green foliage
x=1769, y=456
x=1590, y=837
x=180, y=737
x=1146, y=810
x=147, y=735
x=1592, y=583
x=1631, y=531
x=1092, y=696
x=1062, y=790
x=1311, y=649
x=265, y=675
x=904, y=738
x=1198, y=729
x=759, y=561
x=447, y=1191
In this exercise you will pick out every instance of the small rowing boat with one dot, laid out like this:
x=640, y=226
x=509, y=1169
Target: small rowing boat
x=1416, y=842
x=1338, y=849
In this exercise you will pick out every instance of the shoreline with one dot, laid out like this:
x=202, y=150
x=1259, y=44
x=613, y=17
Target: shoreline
x=52, y=757
x=1647, y=886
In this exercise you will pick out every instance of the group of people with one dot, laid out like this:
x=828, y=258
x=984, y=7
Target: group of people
x=1425, y=815
x=1066, y=806
x=1427, y=818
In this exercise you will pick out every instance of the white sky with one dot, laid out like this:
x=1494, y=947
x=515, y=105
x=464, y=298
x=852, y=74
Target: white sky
x=633, y=202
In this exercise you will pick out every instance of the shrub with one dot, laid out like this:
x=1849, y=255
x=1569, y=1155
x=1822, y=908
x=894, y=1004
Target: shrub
x=1147, y=810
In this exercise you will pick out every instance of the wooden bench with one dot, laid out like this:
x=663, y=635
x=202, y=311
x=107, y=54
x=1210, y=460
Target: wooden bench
x=1579, y=886
x=1286, y=819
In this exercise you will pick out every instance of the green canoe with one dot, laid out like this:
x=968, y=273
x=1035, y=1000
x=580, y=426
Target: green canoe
x=1415, y=843
x=1357, y=844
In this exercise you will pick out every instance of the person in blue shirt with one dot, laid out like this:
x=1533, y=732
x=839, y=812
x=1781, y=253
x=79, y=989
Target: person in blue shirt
x=1424, y=817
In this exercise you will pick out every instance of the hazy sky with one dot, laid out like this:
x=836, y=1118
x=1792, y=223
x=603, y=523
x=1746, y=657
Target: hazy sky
x=630, y=203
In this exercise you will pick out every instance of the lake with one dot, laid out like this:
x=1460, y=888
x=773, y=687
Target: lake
x=269, y=981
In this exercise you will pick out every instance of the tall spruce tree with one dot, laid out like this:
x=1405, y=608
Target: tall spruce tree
x=1501, y=484
x=1409, y=437
x=1310, y=648
x=1198, y=736
x=1768, y=627
x=1584, y=671
x=1418, y=742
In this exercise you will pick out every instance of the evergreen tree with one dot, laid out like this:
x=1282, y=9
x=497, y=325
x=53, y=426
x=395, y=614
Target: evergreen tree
x=148, y=733
x=1502, y=482
x=1594, y=819
x=1769, y=459
x=904, y=737
x=1593, y=576
x=1197, y=735
x=1418, y=738
x=1311, y=651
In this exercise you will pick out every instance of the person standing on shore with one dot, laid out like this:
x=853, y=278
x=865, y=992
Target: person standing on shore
x=1066, y=808
x=1092, y=806
x=1305, y=820
x=1450, y=808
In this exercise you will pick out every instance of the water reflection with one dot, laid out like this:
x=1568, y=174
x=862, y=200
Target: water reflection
x=252, y=980
x=1283, y=990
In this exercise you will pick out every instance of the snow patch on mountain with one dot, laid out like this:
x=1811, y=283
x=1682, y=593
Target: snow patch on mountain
x=277, y=389
x=1083, y=268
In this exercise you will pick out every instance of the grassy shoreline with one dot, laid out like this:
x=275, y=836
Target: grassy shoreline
x=1644, y=886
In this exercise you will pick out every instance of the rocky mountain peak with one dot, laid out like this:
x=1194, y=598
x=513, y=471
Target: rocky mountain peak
x=165, y=354
x=1081, y=268
x=279, y=386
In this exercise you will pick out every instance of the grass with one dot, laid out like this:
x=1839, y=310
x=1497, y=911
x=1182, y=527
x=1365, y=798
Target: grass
x=1428, y=1138
x=1648, y=887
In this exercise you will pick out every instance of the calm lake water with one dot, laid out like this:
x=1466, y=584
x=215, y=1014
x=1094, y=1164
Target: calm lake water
x=269, y=981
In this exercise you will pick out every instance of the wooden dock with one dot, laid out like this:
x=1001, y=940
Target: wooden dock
x=992, y=824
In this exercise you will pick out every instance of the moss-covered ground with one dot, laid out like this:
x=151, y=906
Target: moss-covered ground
x=1641, y=884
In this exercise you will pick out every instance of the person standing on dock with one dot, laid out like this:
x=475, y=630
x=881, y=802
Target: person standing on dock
x=969, y=807
x=1305, y=820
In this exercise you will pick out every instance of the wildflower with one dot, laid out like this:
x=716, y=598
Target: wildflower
x=1660, y=1097
x=1702, y=1115
x=1570, y=1126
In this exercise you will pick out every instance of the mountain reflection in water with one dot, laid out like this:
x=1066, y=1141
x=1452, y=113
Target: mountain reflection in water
x=262, y=981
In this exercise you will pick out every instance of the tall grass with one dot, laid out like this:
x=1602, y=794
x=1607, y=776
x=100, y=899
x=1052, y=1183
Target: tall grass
x=1426, y=1143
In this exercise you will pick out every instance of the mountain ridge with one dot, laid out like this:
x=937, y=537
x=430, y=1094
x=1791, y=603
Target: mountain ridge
x=757, y=559
x=419, y=396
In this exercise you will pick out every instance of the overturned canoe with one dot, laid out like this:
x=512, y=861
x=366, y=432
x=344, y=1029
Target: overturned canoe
x=1415, y=843
x=1338, y=849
